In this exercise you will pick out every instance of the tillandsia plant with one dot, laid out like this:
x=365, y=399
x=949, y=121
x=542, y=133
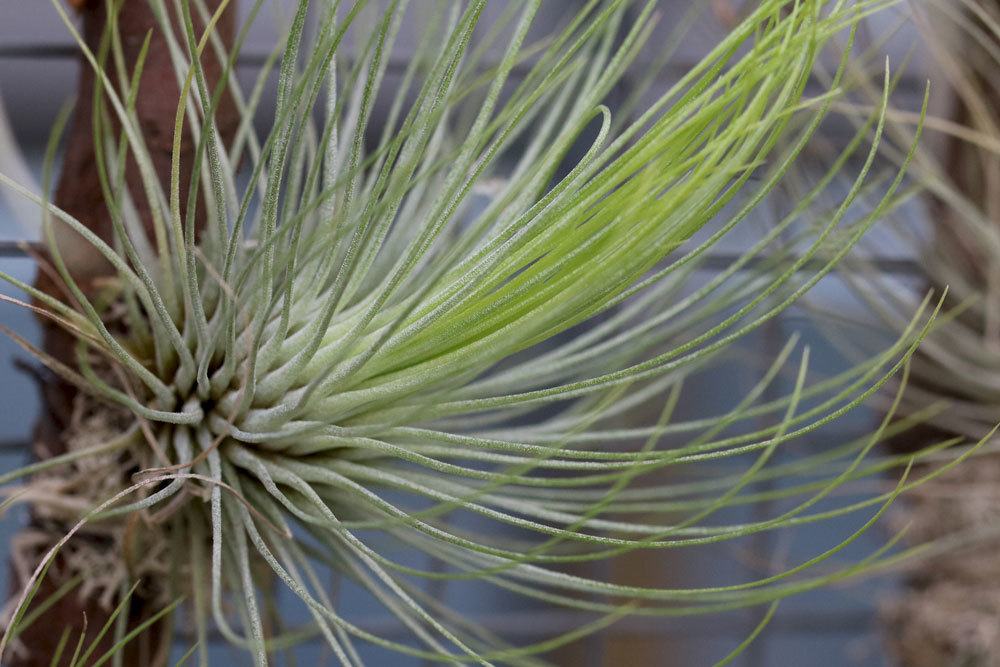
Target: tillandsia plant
x=335, y=350
x=949, y=613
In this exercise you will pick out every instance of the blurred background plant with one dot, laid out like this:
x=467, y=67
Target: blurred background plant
x=950, y=613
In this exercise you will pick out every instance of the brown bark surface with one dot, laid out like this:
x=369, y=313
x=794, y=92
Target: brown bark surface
x=79, y=193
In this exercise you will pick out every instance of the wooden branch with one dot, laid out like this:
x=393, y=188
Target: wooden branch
x=79, y=193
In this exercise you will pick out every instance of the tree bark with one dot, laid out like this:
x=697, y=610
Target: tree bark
x=79, y=193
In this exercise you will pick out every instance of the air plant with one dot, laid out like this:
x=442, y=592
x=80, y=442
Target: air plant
x=365, y=342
